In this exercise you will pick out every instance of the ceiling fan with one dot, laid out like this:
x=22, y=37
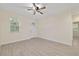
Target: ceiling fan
x=36, y=7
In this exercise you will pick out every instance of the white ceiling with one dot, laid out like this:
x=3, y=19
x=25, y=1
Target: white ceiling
x=51, y=8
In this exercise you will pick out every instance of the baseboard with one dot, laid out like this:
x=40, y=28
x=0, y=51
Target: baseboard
x=4, y=43
x=68, y=44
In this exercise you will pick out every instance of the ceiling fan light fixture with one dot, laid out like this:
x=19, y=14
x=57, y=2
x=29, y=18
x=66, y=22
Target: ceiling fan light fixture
x=37, y=8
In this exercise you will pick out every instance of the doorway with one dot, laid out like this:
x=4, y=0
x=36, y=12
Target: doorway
x=76, y=31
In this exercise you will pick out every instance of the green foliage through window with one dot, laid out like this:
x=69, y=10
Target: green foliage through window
x=76, y=27
x=14, y=24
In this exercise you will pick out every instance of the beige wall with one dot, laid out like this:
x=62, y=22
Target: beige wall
x=25, y=28
x=57, y=28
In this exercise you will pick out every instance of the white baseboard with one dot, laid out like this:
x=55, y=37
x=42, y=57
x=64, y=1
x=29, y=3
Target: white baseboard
x=3, y=43
x=65, y=43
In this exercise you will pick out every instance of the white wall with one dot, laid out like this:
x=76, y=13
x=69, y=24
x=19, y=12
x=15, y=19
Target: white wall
x=25, y=28
x=57, y=28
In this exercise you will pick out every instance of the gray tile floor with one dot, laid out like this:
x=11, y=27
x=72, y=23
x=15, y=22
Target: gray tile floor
x=39, y=47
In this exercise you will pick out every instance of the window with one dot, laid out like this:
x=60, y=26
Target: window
x=14, y=24
x=76, y=27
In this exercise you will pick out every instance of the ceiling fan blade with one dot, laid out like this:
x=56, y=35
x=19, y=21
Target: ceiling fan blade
x=43, y=7
x=40, y=12
x=34, y=13
x=29, y=9
x=34, y=5
x=23, y=7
